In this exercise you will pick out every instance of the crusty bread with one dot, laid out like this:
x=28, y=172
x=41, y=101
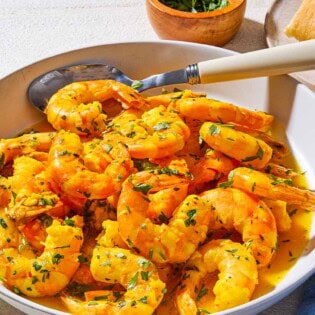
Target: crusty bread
x=302, y=25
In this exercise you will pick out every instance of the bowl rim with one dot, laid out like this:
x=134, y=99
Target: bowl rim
x=199, y=15
x=275, y=296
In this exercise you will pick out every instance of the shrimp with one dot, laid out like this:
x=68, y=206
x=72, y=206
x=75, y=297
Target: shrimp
x=5, y=191
x=212, y=166
x=205, y=109
x=236, y=144
x=279, y=210
x=78, y=107
x=163, y=202
x=158, y=134
x=110, y=236
x=280, y=171
x=172, y=242
x=9, y=234
x=271, y=187
x=24, y=145
x=35, y=233
x=30, y=190
x=234, y=209
x=167, y=99
x=238, y=276
x=50, y=272
x=100, y=210
x=144, y=289
x=74, y=180
x=279, y=148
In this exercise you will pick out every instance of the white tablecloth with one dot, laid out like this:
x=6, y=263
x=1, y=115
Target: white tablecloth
x=35, y=29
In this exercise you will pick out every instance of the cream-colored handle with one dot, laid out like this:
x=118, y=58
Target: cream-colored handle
x=266, y=62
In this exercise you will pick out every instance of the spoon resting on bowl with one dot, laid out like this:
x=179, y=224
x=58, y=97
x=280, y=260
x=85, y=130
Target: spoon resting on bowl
x=266, y=62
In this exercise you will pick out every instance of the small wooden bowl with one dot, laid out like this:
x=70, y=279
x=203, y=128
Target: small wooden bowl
x=214, y=28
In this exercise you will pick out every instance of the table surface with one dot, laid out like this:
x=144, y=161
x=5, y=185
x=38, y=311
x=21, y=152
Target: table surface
x=31, y=30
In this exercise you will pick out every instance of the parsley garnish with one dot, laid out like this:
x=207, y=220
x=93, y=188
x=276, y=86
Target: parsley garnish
x=132, y=282
x=37, y=266
x=108, y=148
x=56, y=258
x=203, y=291
x=196, y=6
x=136, y=84
x=161, y=126
x=142, y=187
x=144, y=300
x=190, y=214
x=69, y=221
x=214, y=130
x=145, y=275
x=3, y=223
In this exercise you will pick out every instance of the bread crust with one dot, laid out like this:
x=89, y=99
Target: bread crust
x=302, y=25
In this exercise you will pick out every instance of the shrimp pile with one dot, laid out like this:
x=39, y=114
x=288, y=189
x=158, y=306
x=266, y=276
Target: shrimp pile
x=131, y=202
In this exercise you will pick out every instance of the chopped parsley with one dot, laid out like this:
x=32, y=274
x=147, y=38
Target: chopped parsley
x=145, y=275
x=3, y=223
x=142, y=187
x=121, y=256
x=196, y=6
x=190, y=214
x=136, y=84
x=56, y=258
x=161, y=126
x=69, y=222
x=214, y=130
x=203, y=291
x=132, y=282
x=144, y=300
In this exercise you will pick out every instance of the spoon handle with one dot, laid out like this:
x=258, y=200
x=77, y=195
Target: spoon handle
x=266, y=62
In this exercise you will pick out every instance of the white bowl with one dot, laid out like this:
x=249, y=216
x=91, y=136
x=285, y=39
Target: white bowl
x=293, y=105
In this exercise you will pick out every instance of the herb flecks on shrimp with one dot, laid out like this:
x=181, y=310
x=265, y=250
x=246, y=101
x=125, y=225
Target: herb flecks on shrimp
x=131, y=195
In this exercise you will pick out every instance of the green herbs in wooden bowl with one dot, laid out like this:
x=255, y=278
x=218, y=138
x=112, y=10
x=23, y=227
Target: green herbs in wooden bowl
x=212, y=22
x=196, y=6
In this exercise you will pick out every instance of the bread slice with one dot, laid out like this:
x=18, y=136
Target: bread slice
x=302, y=25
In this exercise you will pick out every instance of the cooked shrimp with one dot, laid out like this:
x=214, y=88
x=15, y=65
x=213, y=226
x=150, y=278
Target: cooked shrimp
x=51, y=272
x=279, y=210
x=279, y=149
x=172, y=242
x=169, y=98
x=100, y=210
x=78, y=107
x=271, y=187
x=205, y=109
x=110, y=236
x=24, y=145
x=35, y=233
x=238, y=276
x=157, y=134
x=9, y=234
x=144, y=289
x=74, y=180
x=212, y=166
x=5, y=191
x=236, y=144
x=234, y=209
x=30, y=190
x=279, y=171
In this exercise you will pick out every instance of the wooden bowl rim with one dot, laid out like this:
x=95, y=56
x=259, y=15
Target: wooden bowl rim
x=200, y=15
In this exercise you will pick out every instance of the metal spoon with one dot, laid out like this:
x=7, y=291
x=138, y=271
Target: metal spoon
x=267, y=62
